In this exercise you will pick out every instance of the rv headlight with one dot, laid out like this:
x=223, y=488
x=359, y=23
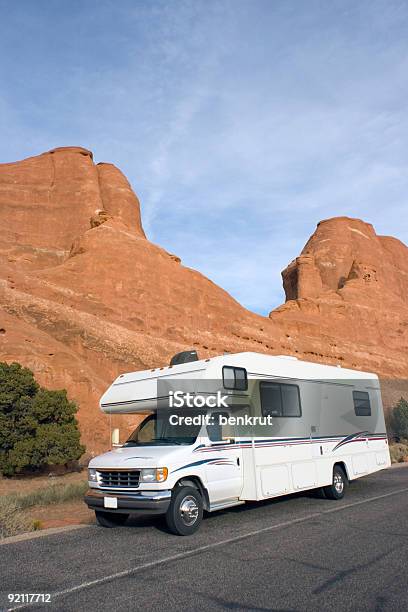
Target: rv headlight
x=153, y=474
x=92, y=475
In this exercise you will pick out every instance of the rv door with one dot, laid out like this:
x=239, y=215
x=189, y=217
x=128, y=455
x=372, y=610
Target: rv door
x=224, y=461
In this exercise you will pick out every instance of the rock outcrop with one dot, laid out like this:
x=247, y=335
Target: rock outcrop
x=348, y=288
x=84, y=295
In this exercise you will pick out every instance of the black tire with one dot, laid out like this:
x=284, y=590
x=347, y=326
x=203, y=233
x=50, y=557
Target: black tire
x=185, y=512
x=338, y=486
x=110, y=519
x=318, y=493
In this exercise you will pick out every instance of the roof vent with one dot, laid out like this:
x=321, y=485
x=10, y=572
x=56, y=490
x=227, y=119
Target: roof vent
x=183, y=357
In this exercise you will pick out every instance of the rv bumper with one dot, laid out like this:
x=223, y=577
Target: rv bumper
x=149, y=502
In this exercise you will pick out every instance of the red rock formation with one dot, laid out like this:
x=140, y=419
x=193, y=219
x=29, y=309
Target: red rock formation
x=49, y=200
x=351, y=285
x=84, y=295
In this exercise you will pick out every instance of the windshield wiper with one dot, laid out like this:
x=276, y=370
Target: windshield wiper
x=164, y=439
x=153, y=441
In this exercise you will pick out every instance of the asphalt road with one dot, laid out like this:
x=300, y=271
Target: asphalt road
x=294, y=553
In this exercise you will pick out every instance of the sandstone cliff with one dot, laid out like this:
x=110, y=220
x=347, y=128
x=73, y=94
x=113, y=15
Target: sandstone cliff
x=84, y=295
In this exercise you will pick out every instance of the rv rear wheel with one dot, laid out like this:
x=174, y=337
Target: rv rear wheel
x=338, y=487
x=185, y=512
x=110, y=519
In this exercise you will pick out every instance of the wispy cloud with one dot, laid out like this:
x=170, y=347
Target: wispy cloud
x=240, y=124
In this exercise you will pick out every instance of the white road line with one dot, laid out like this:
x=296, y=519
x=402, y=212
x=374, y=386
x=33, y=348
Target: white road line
x=201, y=549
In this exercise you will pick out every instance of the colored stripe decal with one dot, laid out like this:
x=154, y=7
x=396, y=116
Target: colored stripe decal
x=359, y=436
x=195, y=463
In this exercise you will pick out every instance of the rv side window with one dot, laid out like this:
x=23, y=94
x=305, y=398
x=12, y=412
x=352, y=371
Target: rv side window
x=271, y=399
x=234, y=378
x=290, y=400
x=362, y=406
x=216, y=430
x=280, y=400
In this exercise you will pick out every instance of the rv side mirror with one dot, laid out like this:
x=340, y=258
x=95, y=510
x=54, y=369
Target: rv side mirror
x=115, y=437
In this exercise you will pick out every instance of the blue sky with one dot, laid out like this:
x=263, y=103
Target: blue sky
x=240, y=124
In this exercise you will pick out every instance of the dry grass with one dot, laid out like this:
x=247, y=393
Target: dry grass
x=399, y=451
x=26, y=484
x=12, y=520
x=52, y=494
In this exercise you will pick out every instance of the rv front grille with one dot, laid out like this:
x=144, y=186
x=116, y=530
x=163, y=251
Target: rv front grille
x=119, y=478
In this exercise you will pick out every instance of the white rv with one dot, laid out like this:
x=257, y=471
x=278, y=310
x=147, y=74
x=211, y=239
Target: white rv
x=313, y=427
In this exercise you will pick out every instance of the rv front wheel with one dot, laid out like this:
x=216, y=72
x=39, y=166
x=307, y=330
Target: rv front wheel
x=185, y=512
x=338, y=487
x=109, y=519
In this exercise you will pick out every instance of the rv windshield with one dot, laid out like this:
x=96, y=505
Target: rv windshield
x=154, y=431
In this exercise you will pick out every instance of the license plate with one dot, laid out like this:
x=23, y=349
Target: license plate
x=110, y=502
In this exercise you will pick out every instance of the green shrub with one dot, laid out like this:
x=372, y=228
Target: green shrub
x=37, y=426
x=400, y=419
x=36, y=525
